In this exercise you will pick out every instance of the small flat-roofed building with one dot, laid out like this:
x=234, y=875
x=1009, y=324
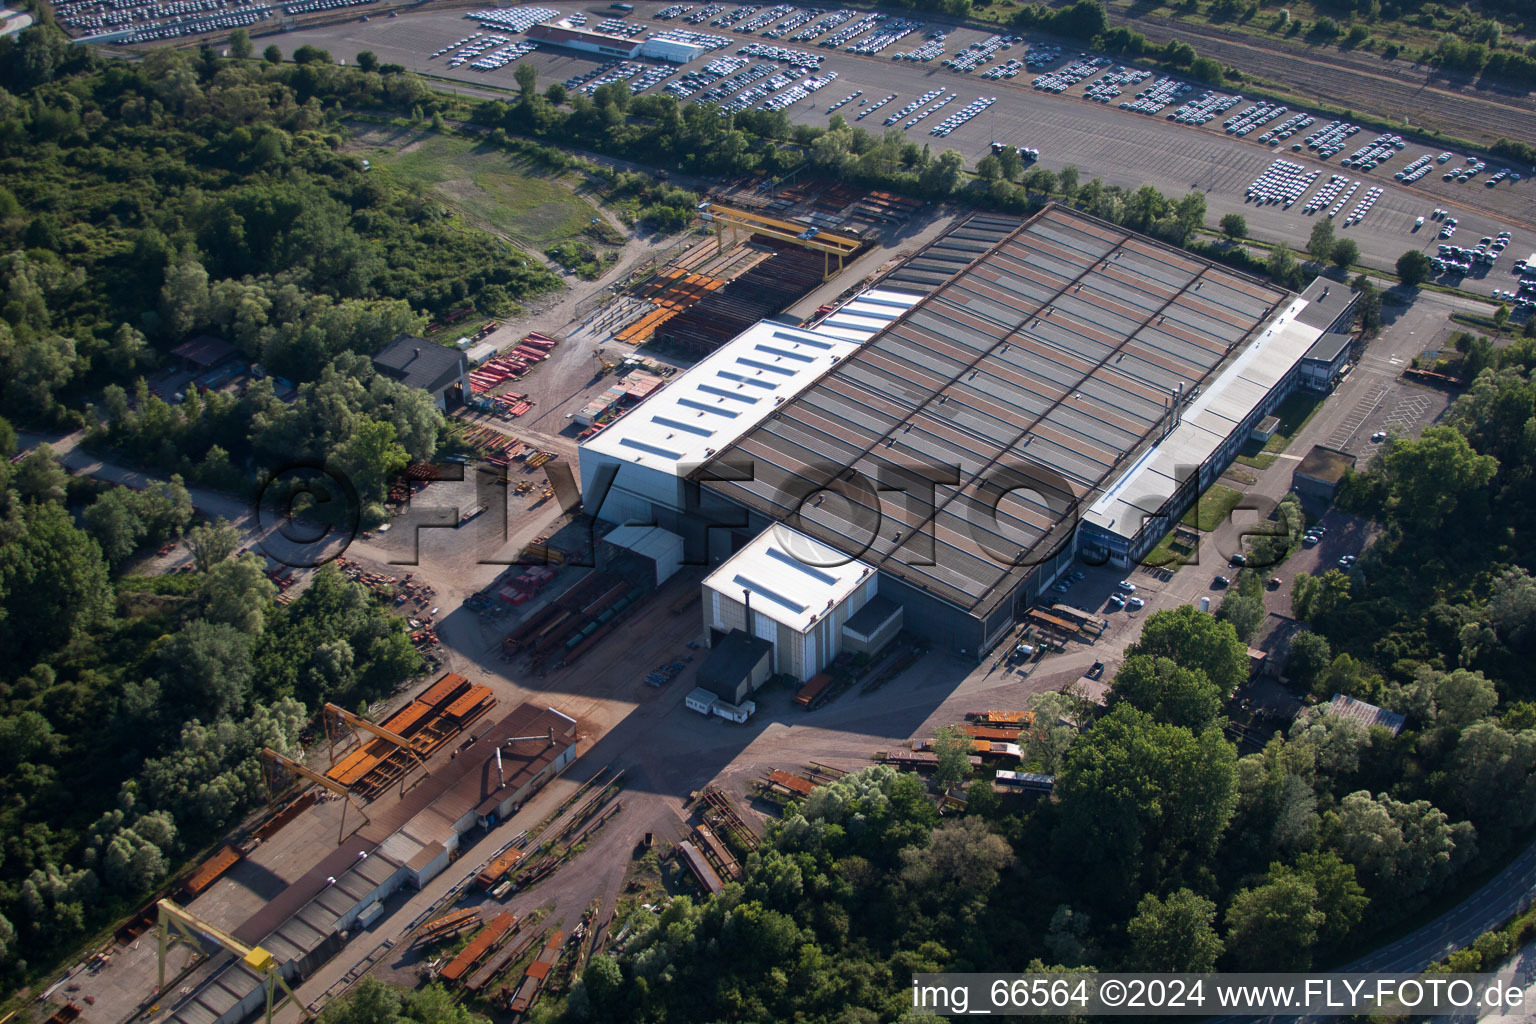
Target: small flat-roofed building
x=1266, y=429
x=672, y=48
x=737, y=665
x=1319, y=474
x=1330, y=305
x=792, y=591
x=661, y=548
x=870, y=628
x=1325, y=361
x=418, y=363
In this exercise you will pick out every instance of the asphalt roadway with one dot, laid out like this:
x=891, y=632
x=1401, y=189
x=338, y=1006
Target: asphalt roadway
x=1100, y=140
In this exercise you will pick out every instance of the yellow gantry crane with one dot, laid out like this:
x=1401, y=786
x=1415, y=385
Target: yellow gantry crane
x=335, y=713
x=178, y=926
x=825, y=242
x=271, y=758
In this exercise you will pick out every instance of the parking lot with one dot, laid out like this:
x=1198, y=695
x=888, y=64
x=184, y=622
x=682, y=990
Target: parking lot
x=1126, y=147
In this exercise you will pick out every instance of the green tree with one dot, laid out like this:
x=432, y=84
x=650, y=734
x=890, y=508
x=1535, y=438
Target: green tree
x=1413, y=268
x=1321, y=242
x=527, y=79
x=205, y=670
x=1138, y=798
x=53, y=583
x=1195, y=640
x=40, y=478
x=961, y=860
x=211, y=543
x=1274, y=926
x=1429, y=479
x=1234, y=226
x=1244, y=612
x=1158, y=686
x=237, y=592
x=1282, y=267
x=952, y=749
x=367, y=61
x=1398, y=848
x=1310, y=655
x=272, y=55
x=1174, y=934
x=240, y=46
x=1345, y=253
x=113, y=519
x=1339, y=895
x=372, y=456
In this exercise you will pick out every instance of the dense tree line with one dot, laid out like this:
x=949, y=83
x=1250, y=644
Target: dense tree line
x=143, y=203
x=132, y=709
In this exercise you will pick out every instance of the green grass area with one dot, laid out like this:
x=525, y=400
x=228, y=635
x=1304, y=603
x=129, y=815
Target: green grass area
x=1295, y=412
x=496, y=191
x=1169, y=553
x=1213, y=508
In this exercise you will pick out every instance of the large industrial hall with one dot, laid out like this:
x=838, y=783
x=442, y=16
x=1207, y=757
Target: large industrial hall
x=1035, y=392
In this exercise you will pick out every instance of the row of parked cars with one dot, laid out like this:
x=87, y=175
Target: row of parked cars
x=1458, y=259
x=873, y=107
x=925, y=98
x=702, y=78
x=890, y=33
x=793, y=57
x=1204, y=108
x=961, y=116
x=1283, y=181
x=1065, y=78
x=96, y=16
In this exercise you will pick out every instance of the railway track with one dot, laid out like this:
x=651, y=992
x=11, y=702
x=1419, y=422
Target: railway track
x=721, y=805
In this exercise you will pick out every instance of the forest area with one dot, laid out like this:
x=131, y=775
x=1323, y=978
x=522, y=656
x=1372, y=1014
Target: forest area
x=141, y=205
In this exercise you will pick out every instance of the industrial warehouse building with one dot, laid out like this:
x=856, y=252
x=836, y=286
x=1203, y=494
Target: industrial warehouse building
x=661, y=46
x=792, y=591
x=413, y=840
x=1044, y=390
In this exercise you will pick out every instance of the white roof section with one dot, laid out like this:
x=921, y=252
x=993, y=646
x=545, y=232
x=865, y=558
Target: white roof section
x=793, y=579
x=720, y=398
x=651, y=541
x=866, y=314
x=1207, y=422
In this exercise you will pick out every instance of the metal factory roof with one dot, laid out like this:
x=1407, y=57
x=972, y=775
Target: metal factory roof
x=1206, y=421
x=720, y=398
x=792, y=579
x=866, y=314
x=1014, y=392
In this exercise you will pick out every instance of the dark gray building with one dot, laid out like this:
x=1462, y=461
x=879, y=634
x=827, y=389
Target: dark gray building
x=418, y=363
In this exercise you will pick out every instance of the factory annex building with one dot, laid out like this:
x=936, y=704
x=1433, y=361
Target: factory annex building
x=1011, y=397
